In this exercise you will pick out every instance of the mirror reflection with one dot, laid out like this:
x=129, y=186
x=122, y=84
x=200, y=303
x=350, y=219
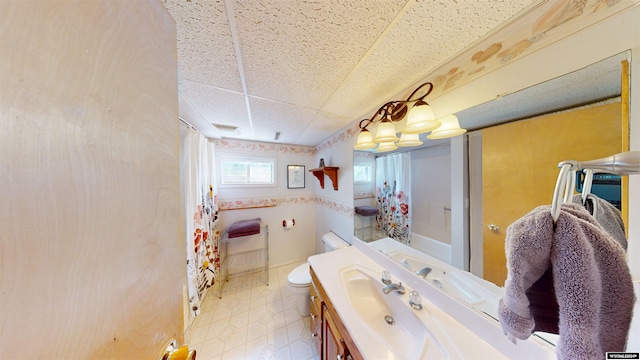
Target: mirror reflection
x=512, y=156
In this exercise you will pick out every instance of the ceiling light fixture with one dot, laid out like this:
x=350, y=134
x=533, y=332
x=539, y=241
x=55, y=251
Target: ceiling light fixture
x=420, y=119
x=449, y=127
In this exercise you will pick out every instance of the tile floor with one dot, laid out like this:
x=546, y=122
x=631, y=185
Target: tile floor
x=252, y=321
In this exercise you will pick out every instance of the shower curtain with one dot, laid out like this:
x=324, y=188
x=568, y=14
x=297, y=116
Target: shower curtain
x=201, y=214
x=393, y=192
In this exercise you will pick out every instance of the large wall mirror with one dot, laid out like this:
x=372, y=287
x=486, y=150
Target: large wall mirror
x=514, y=146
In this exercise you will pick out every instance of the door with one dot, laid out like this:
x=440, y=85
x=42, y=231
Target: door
x=519, y=168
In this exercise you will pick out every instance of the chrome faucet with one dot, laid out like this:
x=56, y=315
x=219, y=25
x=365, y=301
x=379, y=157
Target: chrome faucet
x=393, y=287
x=423, y=272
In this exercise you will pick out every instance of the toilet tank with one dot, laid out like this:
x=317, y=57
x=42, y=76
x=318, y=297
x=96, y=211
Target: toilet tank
x=333, y=242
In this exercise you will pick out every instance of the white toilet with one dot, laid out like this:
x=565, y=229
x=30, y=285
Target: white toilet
x=299, y=279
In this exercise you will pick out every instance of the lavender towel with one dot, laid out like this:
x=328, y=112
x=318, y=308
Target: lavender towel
x=367, y=210
x=607, y=215
x=591, y=280
x=244, y=228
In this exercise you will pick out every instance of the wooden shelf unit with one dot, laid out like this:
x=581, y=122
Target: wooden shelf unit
x=330, y=171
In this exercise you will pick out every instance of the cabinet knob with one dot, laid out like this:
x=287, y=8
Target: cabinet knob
x=313, y=316
x=493, y=227
x=339, y=357
x=314, y=335
x=312, y=297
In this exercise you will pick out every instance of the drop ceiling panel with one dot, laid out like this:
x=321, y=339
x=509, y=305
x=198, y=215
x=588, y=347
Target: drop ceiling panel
x=322, y=127
x=269, y=117
x=300, y=52
x=205, y=46
x=424, y=38
x=218, y=106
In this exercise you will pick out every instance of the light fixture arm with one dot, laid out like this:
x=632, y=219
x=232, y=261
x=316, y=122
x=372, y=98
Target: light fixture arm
x=397, y=109
x=421, y=98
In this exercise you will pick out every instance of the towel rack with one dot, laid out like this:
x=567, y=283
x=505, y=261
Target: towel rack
x=624, y=163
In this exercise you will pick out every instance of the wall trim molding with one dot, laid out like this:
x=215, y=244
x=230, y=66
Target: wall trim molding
x=258, y=202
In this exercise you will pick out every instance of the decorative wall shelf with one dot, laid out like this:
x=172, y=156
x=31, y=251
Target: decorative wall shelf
x=330, y=171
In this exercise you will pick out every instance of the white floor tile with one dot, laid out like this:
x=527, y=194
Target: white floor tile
x=236, y=337
x=282, y=354
x=257, y=348
x=301, y=349
x=197, y=335
x=216, y=329
x=252, y=321
x=235, y=353
x=256, y=330
x=240, y=319
x=210, y=349
x=298, y=330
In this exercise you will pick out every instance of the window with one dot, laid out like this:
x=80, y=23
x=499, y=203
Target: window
x=238, y=170
x=363, y=172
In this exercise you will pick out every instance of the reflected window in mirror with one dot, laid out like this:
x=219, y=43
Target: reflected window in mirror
x=363, y=171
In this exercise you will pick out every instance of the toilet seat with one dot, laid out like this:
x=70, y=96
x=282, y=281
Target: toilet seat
x=300, y=276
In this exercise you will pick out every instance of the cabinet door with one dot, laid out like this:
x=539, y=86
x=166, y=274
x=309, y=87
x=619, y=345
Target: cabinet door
x=333, y=344
x=315, y=324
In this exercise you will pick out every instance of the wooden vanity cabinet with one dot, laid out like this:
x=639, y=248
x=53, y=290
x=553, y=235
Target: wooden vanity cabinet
x=315, y=324
x=331, y=336
x=333, y=345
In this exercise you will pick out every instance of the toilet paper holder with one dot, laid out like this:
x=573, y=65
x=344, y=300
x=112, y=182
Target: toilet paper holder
x=284, y=222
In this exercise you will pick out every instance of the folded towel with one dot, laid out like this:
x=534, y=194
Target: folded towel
x=607, y=215
x=244, y=228
x=367, y=210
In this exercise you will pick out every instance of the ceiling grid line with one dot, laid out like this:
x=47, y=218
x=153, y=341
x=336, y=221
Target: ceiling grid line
x=236, y=46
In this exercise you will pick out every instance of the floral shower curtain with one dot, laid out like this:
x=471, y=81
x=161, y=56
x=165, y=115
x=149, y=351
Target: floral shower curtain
x=201, y=214
x=393, y=191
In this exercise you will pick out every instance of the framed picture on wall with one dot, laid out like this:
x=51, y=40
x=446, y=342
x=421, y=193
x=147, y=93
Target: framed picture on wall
x=295, y=176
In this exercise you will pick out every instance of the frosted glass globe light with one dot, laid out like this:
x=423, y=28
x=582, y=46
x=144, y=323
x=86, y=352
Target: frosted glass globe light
x=386, y=132
x=450, y=127
x=386, y=146
x=420, y=119
x=365, y=140
x=409, y=140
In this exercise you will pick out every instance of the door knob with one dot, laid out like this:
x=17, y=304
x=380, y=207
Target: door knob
x=493, y=227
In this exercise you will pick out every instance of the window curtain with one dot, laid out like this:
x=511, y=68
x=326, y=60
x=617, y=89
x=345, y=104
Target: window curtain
x=200, y=209
x=393, y=192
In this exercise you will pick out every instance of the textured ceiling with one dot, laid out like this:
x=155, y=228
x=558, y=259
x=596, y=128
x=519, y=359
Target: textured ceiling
x=308, y=68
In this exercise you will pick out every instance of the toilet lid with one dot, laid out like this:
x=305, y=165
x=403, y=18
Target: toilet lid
x=300, y=275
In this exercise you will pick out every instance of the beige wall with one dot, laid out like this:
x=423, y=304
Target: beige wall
x=92, y=258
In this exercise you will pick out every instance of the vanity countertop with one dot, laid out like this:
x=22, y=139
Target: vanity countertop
x=440, y=335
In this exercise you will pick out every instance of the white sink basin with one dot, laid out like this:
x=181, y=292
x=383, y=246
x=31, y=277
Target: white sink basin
x=388, y=318
x=351, y=280
x=449, y=282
